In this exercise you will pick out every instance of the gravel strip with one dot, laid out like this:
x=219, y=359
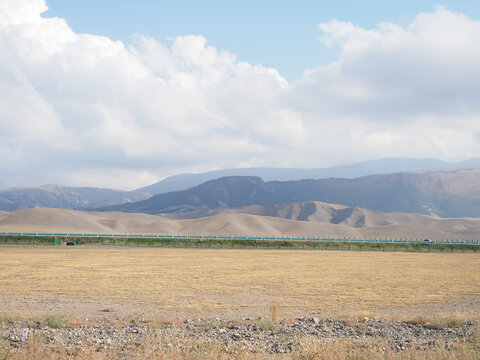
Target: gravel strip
x=255, y=335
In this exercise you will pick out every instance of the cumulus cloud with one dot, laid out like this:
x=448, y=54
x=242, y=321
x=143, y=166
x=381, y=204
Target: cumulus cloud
x=400, y=91
x=14, y=12
x=430, y=67
x=82, y=109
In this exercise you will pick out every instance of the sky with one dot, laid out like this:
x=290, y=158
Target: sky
x=124, y=93
x=280, y=34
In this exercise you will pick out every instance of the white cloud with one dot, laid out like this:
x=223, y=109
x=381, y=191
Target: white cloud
x=78, y=104
x=398, y=91
x=15, y=12
x=430, y=67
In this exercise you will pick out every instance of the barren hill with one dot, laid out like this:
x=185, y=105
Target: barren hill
x=240, y=224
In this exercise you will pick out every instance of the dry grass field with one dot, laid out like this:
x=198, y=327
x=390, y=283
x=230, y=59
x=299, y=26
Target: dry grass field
x=156, y=283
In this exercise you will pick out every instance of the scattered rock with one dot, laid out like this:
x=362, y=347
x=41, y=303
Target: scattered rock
x=246, y=335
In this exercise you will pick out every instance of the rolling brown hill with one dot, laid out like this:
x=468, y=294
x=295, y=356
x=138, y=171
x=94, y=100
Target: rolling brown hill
x=370, y=223
x=393, y=225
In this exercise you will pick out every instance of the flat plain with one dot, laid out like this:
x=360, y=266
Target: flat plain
x=87, y=282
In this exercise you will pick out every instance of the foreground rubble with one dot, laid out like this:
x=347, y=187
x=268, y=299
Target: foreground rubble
x=252, y=335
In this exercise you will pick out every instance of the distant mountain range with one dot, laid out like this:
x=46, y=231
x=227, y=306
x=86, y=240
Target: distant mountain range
x=382, y=166
x=276, y=186
x=56, y=196
x=444, y=194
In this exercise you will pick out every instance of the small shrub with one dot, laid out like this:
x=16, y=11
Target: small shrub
x=447, y=323
x=436, y=323
x=107, y=310
x=362, y=329
x=209, y=325
x=55, y=321
x=419, y=320
x=267, y=325
x=454, y=323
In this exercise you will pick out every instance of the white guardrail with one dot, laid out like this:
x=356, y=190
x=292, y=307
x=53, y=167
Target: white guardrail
x=329, y=239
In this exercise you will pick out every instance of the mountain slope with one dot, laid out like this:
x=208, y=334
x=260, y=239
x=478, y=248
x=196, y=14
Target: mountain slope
x=382, y=166
x=227, y=192
x=409, y=197
x=446, y=194
x=56, y=196
x=83, y=197
x=315, y=211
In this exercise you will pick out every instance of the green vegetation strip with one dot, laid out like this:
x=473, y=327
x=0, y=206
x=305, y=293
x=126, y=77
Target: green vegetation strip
x=238, y=244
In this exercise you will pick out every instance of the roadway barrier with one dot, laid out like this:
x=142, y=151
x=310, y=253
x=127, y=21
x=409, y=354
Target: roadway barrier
x=189, y=237
x=237, y=242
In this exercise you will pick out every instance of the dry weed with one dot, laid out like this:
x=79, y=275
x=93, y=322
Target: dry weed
x=180, y=348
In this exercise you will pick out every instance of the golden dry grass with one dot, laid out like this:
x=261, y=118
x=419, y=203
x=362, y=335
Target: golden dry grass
x=235, y=282
x=306, y=348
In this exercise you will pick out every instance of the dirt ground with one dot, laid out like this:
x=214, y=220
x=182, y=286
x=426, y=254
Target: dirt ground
x=121, y=283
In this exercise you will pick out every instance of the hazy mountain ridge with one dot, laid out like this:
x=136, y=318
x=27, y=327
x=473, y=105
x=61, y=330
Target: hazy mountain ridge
x=227, y=192
x=56, y=196
x=381, y=166
x=446, y=194
x=88, y=197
